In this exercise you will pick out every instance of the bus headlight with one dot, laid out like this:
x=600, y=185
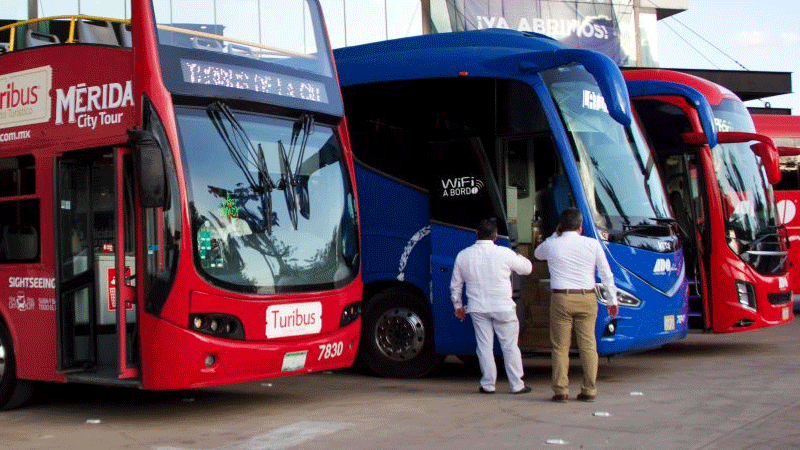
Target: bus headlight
x=218, y=325
x=350, y=314
x=623, y=298
x=746, y=294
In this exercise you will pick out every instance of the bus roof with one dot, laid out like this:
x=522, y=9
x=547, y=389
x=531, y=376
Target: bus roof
x=492, y=53
x=436, y=55
x=713, y=92
x=777, y=125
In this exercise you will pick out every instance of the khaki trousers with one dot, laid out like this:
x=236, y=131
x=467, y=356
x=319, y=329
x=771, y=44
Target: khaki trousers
x=578, y=312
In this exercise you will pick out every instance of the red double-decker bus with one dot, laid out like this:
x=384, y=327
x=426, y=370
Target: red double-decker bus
x=177, y=205
x=719, y=174
x=785, y=132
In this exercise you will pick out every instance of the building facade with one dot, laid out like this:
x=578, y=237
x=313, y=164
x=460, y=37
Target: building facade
x=625, y=30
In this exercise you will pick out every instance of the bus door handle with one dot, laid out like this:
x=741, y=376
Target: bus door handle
x=129, y=279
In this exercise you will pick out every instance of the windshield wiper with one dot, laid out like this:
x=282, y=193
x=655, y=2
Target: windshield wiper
x=244, y=154
x=660, y=220
x=306, y=125
x=286, y=184
x=769, y=231
x=670, y=222
x=295, y=192
x=644, y=229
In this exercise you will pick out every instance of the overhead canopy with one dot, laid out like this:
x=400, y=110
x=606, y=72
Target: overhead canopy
x=748, y=85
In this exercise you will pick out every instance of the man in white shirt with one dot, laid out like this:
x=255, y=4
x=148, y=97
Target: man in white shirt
x=486, y=270
x=572, y=259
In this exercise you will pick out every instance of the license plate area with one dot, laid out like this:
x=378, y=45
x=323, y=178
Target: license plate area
x=669, y=323
x=294, y=361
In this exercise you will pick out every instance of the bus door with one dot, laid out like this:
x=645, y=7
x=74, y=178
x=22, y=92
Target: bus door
x=462, y=192
x=534, y=194
x=685, y=189
x=95, y=254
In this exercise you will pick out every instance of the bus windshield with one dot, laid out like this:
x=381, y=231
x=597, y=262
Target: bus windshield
x=289, y=34
x=747, y=198
x=618, y=173
x=271, y=203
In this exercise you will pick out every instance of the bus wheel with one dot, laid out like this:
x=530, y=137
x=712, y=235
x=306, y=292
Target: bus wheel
x=13, y=391
x=397, y=335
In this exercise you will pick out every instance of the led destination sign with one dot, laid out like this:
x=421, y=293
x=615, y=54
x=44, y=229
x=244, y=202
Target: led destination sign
x=224, y=75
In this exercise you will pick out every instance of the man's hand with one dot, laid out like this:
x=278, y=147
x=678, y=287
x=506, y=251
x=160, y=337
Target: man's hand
x=613, y=310
x=459, y=312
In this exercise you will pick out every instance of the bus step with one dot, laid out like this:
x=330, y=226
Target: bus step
x=102, y=378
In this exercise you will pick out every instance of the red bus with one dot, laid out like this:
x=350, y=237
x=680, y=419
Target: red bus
x=719, y=175
x=785, y=132
x=177, y=205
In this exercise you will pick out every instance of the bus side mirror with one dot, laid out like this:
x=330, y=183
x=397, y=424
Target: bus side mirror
x=770, y=159
x=149, y=163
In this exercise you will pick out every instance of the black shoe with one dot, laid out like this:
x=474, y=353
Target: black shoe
x=524, y=390
x=585, y=397
x=560, y=398
x=484, y=391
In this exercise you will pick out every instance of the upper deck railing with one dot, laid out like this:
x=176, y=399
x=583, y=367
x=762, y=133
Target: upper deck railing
x=72, y=29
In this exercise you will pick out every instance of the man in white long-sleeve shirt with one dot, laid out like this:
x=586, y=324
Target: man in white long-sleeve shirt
x=572, y=259
x=486, y=270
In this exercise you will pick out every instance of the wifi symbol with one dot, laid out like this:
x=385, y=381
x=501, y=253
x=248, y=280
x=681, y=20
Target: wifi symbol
x=478, y=186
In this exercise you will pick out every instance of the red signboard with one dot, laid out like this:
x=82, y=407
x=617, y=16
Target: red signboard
x=55, y=102
x=112, y=284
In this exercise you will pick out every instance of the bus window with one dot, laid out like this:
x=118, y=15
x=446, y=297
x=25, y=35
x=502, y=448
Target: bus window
x=19, y=218
x=17, y=175
x=19, y=231
x=162, y=227
x=462, y=190
x=518, y=172
x=790, y=174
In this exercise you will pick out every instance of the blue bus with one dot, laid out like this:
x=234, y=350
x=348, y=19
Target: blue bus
x=450, y=128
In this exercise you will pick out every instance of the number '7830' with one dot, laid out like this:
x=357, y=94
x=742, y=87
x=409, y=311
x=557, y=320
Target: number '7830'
x=330, y=350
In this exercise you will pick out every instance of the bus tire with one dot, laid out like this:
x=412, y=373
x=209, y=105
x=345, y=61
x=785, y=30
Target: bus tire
x=397, y=335
x=13, y=391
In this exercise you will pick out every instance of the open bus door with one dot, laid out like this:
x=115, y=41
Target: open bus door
x=536, y=193
x=687, y=194
x=95, y=243
x=669, y=113
x=462, y=193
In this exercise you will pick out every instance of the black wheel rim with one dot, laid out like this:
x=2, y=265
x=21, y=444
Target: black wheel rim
x=400, y=334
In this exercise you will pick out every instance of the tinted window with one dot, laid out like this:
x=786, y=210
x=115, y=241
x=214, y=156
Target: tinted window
x=19, y=231
x=162, y=227
x=17, y=176
x=462, y=188
x=790, y=175
x=19, y=218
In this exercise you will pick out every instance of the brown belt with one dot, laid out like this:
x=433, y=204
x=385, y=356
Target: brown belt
x=573, y=291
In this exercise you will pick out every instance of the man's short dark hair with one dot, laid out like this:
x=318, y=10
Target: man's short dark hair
x=571, y=219
x=487, y=229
